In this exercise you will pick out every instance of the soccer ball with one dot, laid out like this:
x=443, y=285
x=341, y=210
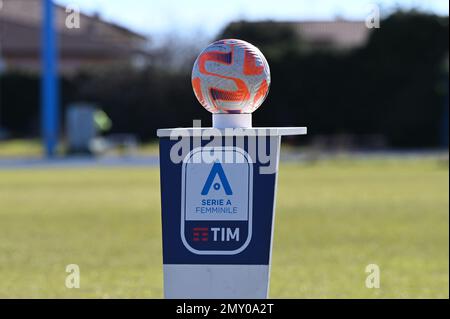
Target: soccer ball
x=231, y=76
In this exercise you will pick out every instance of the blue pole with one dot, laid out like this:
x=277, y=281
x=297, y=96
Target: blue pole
x=445, y=119
x=49, y=84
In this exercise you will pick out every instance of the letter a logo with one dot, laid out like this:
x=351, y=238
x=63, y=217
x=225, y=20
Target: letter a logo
x=217, y=169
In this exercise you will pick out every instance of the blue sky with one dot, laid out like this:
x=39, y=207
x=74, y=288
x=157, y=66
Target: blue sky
x=208, y=17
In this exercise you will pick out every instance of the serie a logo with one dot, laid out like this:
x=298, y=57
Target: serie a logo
x=216, y=214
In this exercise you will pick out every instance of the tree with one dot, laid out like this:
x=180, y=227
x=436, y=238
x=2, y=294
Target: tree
x=275, y=39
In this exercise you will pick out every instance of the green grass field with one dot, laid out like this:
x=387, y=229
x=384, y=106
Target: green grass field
x=33, y=148
x=333, y=218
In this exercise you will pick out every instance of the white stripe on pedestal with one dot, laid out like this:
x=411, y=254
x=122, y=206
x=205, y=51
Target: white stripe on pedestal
x=216, y=281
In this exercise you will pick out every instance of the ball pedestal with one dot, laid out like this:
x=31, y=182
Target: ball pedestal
x=223, y=121
x=218, y=185
x=218, y=189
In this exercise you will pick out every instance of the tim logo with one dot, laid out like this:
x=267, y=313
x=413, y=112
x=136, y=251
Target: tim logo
x=216, y=202
x=200, y=234
x=218, y=234
x=217, y=170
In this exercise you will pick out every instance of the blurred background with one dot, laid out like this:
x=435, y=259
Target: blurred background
x=84, y=84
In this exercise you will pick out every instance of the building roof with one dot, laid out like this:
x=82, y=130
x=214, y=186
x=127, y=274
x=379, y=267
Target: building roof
x=20, y=32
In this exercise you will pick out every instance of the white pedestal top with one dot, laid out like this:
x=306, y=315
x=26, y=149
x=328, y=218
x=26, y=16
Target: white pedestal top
x=211, y=131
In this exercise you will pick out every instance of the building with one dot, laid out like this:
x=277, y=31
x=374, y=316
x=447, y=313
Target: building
x=95, y=42
x=338, y=34
x=319, y=35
